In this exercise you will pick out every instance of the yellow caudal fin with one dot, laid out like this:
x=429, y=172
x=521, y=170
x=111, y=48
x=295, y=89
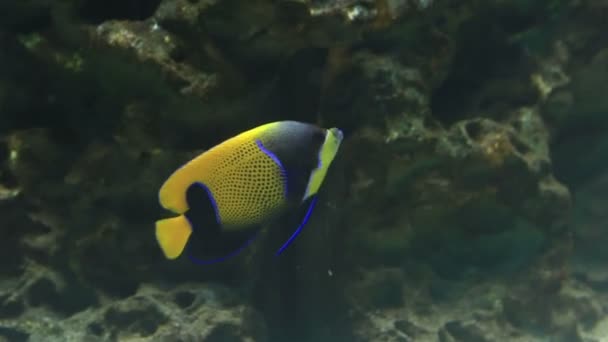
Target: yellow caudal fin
x=172, y=235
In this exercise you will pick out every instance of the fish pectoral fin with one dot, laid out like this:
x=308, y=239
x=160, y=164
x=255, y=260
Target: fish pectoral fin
x=309, y=204
x=172, y=235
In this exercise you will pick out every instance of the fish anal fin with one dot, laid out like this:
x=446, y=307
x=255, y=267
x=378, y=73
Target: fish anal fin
x=223, y=247
x=309, y=204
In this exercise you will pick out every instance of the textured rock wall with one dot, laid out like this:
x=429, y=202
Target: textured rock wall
x=469, y=124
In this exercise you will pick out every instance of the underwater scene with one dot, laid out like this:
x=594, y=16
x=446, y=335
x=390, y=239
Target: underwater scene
x=304, y=170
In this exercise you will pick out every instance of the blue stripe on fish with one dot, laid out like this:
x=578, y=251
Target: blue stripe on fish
x=276, y=160
x=304, y=221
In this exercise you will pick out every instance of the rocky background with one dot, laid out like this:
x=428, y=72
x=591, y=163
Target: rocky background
x=467, y=203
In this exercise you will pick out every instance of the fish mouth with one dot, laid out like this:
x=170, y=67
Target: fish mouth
x=337, y=133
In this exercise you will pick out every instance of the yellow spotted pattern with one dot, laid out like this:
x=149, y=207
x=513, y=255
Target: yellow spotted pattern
x=246, y=183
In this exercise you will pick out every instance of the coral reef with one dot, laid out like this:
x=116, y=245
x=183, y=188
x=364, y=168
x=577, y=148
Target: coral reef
x=466, y=203
x=184, y=313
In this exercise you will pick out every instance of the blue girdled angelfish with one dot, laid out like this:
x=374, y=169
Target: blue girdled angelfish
x=243, y=183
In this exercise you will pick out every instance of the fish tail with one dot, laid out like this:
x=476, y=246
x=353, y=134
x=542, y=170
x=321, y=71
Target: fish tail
x=172, y=235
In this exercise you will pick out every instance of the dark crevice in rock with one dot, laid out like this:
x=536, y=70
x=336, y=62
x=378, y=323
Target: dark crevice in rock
x=473, y=129
x=25, y=16
x=484, y=56
x=578, y=160
x=519, y=145
x=13, y=335
x=69, y=299
x=144, y=321
x=462, y=332
x=41, y=291
x=124, y=287
x=7, y=179
x=184, y=299
x=19, y=111
x=299, y=85
x=409, y=328
x=16, y=224
x=4, y=151
x=346, y=90
x=96, y=11
x=58, y=99
x=95, y=328
x=10, y=307
x=579, y=141
x=224, y=333
x=74, y=298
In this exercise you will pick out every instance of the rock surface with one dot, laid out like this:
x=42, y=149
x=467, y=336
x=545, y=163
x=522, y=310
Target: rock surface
x=466, y=203
x=189, y=312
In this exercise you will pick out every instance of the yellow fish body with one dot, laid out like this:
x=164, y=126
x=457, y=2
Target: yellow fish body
x=245, y=181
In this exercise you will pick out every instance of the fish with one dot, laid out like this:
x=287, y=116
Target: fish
x=227, y=194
